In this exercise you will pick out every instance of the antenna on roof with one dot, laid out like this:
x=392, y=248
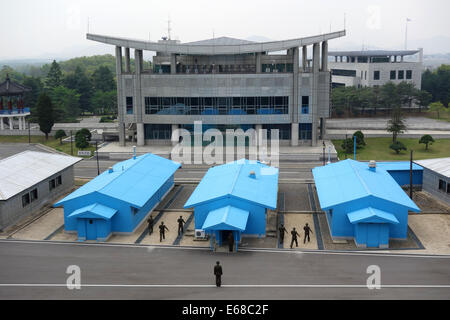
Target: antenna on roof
x=168, y=28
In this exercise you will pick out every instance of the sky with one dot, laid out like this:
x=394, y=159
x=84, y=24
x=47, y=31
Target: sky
x=57, y=28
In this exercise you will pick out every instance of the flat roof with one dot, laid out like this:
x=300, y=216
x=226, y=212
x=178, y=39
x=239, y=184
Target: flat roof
x=220, y=46
x=26, y=169
x=439, y=165
x=373, y=53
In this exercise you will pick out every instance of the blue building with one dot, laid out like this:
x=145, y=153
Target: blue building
x=234, y=198
x=363, y=202
x=119, y=199
x=399, y=170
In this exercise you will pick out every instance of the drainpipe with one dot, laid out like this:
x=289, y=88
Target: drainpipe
x=134, y=152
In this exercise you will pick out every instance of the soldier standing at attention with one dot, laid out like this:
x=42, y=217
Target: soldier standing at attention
x=150, y=225
x=294, y=234
x=307, y=229
x=282, y=230
x=162, y=229
x=180, y=225
x=218, y=274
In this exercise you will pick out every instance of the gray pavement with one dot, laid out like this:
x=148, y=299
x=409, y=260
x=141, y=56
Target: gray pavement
x=139, y=272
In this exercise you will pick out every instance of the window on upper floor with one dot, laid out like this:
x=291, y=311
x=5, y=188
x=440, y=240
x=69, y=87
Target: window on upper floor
x=376, y=75
x=305, y=104
x=129, y=105
x=393, y=74
x=408, y=74
x=401, y=74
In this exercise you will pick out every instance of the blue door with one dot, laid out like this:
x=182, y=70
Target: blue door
x=373, y=235
x=91, y=229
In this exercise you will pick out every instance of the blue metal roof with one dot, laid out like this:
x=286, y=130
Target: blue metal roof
x=233, y=179
x=371, y=215
x=398, y=166
x=226, y=218
x=134, y=180
x=94, y=211
x=350, y=180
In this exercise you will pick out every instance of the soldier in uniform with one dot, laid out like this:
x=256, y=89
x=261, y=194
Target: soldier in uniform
x=230, y=241
x=180, y=225
x=294, y=234
x=162, y=229
x=150, y=222
x=307, y=230
x=218, y=273
x=282, y=230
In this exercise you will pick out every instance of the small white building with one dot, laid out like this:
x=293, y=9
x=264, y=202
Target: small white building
x=375, y=67
x=436, y=177
x=29, y=180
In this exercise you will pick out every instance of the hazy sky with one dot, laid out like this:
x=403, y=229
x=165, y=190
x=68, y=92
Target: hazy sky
x=46, y=28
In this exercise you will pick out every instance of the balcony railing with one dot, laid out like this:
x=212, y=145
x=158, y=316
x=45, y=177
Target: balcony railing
x=15, y=111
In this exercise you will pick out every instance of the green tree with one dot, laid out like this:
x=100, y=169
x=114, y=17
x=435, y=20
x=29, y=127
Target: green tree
x=103, y=79
x=389, y=96
x=407, y=93
x=84, y=132
x=66, y=104
x=437, y=107
x=59, y=135
x=426, y=139
x=30, y=98
x=347, y=145
x=423, y=98
x=79, y=82
x=104, y=102
x=359, y=139
x=54, y=76
x=396, y=125
x=45, y=114
x=438, y=83
x=81, y=142
x=397, y=146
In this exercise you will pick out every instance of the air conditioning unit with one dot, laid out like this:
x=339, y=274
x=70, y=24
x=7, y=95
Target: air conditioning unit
x=199, y=234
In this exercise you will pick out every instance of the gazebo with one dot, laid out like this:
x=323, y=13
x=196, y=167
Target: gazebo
x=12, y=104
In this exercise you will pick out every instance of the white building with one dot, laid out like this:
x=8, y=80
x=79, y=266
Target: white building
x=436, y=177
x=29, y=180
x=375, y=67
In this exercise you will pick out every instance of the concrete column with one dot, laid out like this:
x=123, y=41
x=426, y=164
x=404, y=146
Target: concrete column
x=325, y=56
x=140, y=134
x=295, y=57
x=20, y=122
x=421, y=55
x=137, y=101
x=175, y=134
x=173, y=63
x=10, y=123
x=1, y=124
x=294, y=134
x=315, y=93
x=258, y=62
x=304, y=58
x=120, y=99
x=127, y=60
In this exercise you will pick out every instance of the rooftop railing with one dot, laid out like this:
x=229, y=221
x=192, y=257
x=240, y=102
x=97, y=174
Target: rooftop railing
x=15, y=111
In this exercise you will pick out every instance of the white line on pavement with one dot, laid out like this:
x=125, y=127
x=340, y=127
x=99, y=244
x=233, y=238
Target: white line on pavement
x=225, y=285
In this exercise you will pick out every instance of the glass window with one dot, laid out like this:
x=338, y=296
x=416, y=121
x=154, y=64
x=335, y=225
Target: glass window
x=376, y=75
x=25, y=200
x=52, y=184
x=129, y=105
x=343, y=72
x=305, y=131
x=33, y=194
x=134, y=210
x=442, y=185
x=408, y=74
x=305, y=104
x=401, y=74
x=58, y=181
x=393, y=74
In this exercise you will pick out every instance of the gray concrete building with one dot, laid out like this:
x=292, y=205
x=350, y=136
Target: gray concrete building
x=436, y=177
x=225, y=83
x=29, y=180
x=375, y=67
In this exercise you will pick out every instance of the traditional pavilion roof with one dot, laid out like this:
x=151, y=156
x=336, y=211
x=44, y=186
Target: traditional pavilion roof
x=11, y=88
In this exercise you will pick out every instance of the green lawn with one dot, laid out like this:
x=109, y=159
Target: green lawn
x=51, y=142
x=378, y=149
